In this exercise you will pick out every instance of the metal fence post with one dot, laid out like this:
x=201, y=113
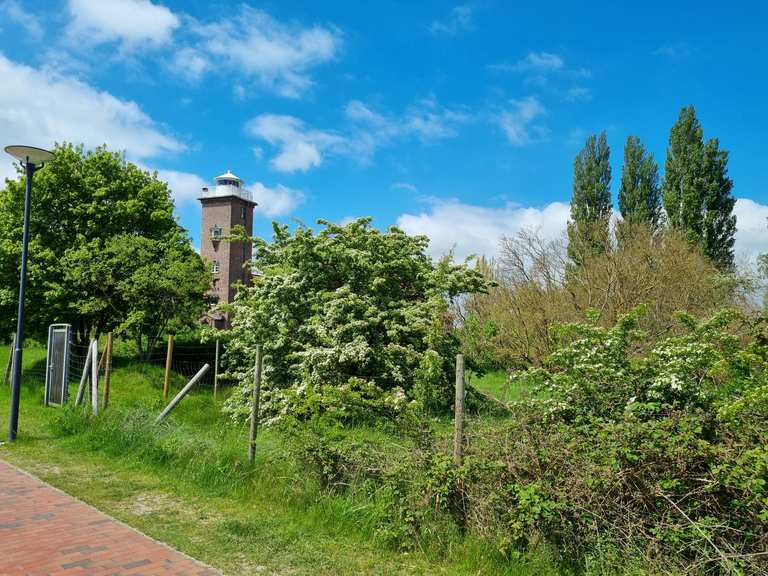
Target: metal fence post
x=255, y=406
x=216, y=372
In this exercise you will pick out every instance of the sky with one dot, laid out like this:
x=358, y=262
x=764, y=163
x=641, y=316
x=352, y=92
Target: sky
x=456, y=120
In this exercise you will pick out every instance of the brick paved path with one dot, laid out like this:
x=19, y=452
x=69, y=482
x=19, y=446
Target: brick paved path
x=44, y=532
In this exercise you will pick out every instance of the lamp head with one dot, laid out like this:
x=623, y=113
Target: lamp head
x=24, y=154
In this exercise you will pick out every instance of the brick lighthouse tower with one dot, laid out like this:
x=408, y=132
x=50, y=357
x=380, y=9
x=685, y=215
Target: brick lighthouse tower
x=225, y=206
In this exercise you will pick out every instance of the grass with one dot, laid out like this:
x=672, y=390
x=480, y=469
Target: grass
x=188, y=483
x=497, y=384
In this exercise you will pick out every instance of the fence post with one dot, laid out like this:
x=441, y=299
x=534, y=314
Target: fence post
x=95, y=377
x=84, y=377
x=9, y=365
x=168, y=359
x=107, y=369
x=458, y=431
x=255, y=406
x=183, y=392
x=216, y=372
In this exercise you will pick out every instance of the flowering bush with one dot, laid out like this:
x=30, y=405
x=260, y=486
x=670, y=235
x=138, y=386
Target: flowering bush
x=349, y=317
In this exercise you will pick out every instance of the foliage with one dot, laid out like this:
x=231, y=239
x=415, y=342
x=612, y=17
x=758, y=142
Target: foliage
x=697, y=190
x=148, y=286
x=509, y=326
x=588, y=232
x=352, y=310
x=85, y=205
x=639, y=195
x=658, y=452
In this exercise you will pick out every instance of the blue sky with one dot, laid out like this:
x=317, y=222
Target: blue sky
x=458, y=120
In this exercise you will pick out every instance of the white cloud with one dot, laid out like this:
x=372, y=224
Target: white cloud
x=184, y=186
x=192, y=64
x=40, y=107
x=471, y=229
x=134, y=23
x=535, y=62
x=277, y=201
x=277, y=56
x=468, y=229
x=12, y=10
x=518, y=121
x=300, y=148
x=404, y=186
x=459, y=21
x=751, y=230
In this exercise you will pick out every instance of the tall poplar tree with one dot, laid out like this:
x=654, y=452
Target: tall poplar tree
x=697, y=191
x=639, y=194
x=588, y=229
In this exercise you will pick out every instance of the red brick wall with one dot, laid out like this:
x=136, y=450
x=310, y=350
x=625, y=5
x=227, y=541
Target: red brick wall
x=226, y=212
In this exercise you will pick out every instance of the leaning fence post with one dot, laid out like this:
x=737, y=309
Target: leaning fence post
x=216, y=372
x=107, y=369
x=255, y=405
x=183, y=392
x=9, y=365
x=84, y=377
x=168, y=359
x=95, y=377
x=458, y=431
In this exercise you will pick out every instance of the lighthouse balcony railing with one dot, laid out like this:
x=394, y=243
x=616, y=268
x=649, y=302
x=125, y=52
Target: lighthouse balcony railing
x=227, y=190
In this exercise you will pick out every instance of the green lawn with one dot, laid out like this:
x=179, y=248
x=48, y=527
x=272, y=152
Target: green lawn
x=197, y=492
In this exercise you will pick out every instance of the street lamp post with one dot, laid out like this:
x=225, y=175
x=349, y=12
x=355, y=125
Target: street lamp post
x=32, y=159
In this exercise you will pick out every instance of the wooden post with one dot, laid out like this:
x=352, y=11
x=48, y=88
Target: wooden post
x=95, y=377
x=168, y=359
x=216, y=372
x=107, y=369
x=458, y=431
x=183, y=392
x=255, y=406
x=84, y=377
x=9, y=365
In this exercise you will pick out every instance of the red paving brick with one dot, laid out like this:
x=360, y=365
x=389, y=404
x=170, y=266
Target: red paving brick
x=45, y=532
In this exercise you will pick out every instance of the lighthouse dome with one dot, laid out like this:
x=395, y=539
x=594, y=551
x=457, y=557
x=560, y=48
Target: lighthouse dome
x=229, y=179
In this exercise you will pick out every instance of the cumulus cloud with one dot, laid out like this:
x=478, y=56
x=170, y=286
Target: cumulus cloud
x=133, y=23
x=459, y=21
x=278, y=201
x=469, y=229
x=300, y=148
x=185, y=186
x=276, y=56
x=40, y=107
x=751, y=230
x=518, y=121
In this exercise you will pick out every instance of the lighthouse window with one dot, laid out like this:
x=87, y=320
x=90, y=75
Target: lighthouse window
x=215, y=266
x=216, y=232
x=242, y=212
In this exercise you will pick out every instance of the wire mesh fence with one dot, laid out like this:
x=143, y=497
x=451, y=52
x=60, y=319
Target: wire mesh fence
x=186, y=361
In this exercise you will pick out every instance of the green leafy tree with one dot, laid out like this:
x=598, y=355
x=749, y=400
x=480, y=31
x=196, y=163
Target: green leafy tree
x=697, y=190
x=353, y=311
x=138, y=286
x=84, y=202
x=588, y=230
x=639, y=194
